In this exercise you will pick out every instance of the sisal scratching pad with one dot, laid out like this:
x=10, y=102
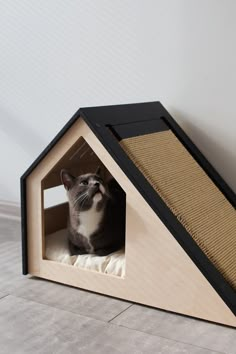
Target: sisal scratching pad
x=190, y=194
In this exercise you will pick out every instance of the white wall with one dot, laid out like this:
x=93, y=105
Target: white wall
x=58, y=55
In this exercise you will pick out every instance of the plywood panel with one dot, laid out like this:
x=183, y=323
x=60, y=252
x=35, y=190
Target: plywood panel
x=55, y=218
x=158, y=271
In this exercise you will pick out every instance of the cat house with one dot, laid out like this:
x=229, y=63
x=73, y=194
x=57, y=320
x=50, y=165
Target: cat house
x=180, y=248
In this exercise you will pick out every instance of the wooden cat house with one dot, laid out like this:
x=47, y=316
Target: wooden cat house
x=180, y=251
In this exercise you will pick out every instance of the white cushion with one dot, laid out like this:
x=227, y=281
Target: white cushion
x=57, y=250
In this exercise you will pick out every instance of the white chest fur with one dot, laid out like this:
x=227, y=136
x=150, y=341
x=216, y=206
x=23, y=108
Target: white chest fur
x=89, y=221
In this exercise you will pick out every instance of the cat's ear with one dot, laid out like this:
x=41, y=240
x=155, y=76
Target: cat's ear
x=67, y=179
x=98, y=171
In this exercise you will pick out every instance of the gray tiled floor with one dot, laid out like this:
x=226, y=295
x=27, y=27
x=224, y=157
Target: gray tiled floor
x=179, y=328
x=38, y=316
x=30, y=327
x=2, y=294
x=71, y=299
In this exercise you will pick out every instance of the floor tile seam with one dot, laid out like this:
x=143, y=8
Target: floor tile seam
x=3, y=297
x=58, y=308
x=109, y=323
x=120, y=313
x=171, y=339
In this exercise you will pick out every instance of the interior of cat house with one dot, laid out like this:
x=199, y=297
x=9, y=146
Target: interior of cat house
x=79, y=160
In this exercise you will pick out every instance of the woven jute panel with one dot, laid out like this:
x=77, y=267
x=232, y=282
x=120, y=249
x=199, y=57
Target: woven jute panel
x=191, y=195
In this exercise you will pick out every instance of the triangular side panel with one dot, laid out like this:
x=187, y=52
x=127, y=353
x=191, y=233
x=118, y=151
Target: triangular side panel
x=158, y=271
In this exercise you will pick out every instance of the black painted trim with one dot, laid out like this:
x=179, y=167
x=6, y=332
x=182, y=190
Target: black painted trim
x=128, y=130
x=24, y=227
x=98, y=118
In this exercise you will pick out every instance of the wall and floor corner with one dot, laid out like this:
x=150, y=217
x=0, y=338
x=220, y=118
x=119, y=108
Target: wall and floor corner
x=58, y=57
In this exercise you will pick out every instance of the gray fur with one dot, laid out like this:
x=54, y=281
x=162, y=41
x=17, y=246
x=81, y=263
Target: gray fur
x=109, y=234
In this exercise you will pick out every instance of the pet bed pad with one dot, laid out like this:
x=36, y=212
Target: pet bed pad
x=57, y=250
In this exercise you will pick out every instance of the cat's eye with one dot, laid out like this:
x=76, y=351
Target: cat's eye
x=83, y=183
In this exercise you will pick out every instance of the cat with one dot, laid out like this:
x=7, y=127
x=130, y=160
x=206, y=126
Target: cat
x=96, y=223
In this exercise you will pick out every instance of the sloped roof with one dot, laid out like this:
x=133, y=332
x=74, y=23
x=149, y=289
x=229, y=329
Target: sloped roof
x=112, y=124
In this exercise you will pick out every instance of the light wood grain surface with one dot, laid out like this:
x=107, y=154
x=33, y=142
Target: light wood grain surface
x=158, y=271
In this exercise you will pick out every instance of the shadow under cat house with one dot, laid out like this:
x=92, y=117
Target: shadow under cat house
x=123, y=203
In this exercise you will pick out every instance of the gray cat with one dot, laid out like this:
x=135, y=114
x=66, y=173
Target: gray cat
x=96, y=222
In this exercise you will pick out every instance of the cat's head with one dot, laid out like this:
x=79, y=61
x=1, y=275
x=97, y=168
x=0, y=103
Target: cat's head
x=85, y=190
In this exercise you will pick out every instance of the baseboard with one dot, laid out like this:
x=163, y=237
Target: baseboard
x=9, y=210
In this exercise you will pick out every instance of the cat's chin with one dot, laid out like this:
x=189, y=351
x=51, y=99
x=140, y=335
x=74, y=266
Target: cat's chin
x=97, y=197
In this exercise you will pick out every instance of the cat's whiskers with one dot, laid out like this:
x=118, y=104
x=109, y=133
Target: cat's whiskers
x=83, y=201
x=79, y=198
